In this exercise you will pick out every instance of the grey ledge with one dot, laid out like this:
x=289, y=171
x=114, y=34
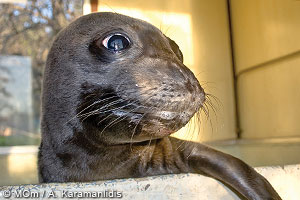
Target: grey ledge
x=286, y=180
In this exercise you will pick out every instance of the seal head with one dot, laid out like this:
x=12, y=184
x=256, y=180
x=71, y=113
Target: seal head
x=117, y=79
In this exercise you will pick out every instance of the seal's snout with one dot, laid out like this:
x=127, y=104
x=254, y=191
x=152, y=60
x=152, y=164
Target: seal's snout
x=188, y=85
x=193, y=95
x=171, y=92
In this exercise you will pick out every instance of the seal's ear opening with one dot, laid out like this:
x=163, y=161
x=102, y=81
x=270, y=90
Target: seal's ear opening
x=175, y=49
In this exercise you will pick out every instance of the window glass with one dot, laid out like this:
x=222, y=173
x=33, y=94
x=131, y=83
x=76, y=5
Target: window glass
x=27, y=29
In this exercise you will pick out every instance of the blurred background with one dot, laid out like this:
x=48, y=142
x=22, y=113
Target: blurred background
x=245, y=53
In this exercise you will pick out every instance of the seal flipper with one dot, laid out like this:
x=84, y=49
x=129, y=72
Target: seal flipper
x=231, y=171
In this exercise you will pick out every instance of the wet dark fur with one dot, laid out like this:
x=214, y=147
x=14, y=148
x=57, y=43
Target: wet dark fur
x=109, y=115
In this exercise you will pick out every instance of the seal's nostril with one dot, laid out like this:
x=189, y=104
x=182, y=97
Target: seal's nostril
x=189, y=86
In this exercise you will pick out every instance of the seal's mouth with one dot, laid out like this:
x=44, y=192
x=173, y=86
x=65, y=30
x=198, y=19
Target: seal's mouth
x=156, y=122
x=164, y=115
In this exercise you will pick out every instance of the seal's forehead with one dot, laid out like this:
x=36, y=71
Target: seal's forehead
x=108, y=19
x=105, y=17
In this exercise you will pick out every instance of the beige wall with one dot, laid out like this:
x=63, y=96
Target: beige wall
x=267, y=57
x=200, y=28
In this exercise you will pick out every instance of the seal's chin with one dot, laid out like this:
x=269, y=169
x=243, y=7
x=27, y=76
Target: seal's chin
x=157, y=132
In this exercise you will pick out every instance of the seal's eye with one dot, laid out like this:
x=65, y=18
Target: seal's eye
x=116, y=42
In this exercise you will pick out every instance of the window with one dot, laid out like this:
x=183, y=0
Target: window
x=27, y=29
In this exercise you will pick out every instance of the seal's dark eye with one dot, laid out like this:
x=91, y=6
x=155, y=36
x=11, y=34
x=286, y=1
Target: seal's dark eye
x=116, y=42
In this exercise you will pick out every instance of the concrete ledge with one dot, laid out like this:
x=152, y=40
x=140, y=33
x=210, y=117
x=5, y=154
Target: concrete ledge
x=18, y=150
x=286, y=180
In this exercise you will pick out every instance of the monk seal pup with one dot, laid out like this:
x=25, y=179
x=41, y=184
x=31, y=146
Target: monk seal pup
x=114, y=89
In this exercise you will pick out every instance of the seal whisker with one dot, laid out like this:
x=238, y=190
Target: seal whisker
x=120, y=116
x=182, y=142
x=151, y=136
x=94, y=103
x=99, y=111
x=217, y=101
x=118, y=108
x=209, y=104
x=131, y=138
x=87, y=115
x=149, y=108
x=192, y=128
x=111, y=104
x=204, y=110
x=209, y=119
x=111, y=123
x=105, y=118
